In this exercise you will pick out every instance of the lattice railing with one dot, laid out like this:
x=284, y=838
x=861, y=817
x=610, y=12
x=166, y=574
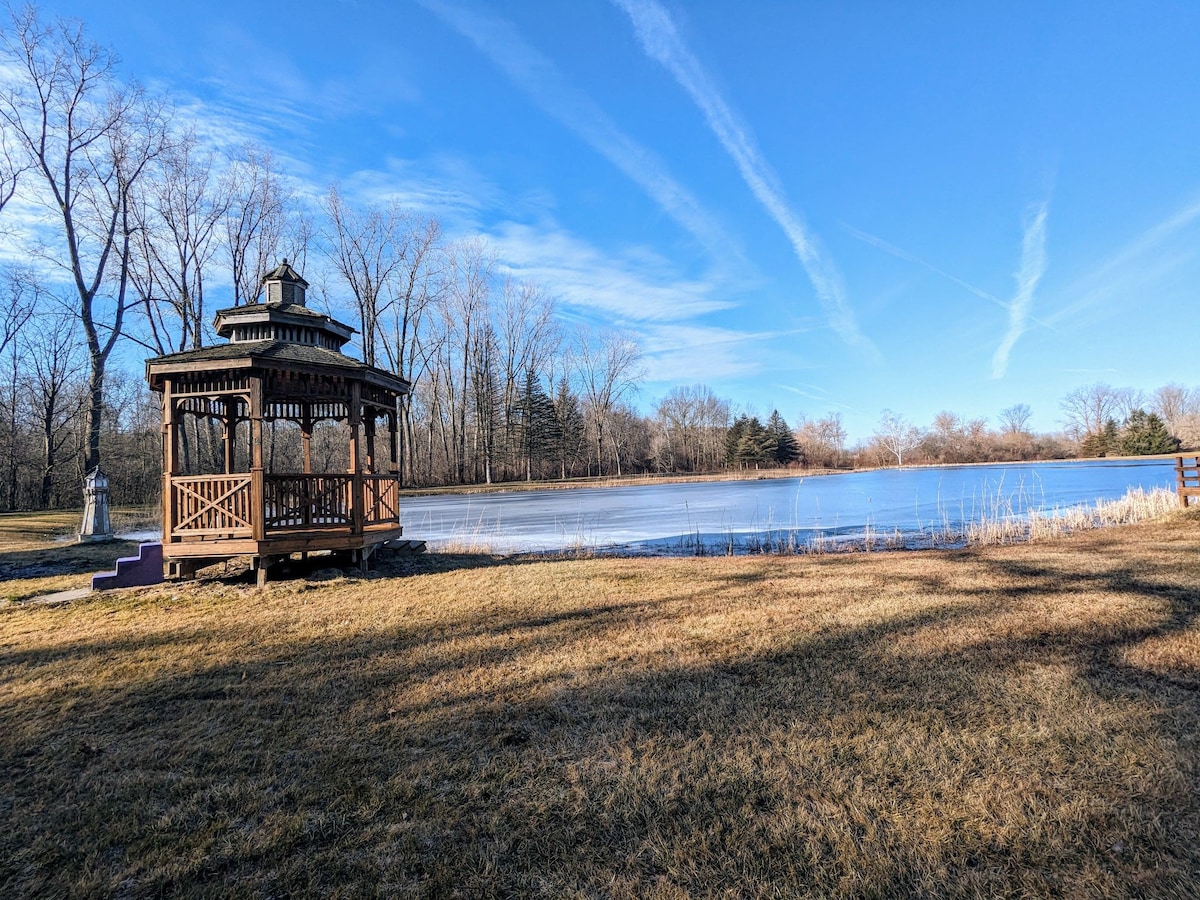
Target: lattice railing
x=382, y=499
x=305, y=501
x=211, y=504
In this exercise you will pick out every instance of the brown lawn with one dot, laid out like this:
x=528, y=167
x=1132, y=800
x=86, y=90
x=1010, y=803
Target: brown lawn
x=1007, y=721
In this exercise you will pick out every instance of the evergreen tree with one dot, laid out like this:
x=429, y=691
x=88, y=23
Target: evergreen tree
x=755, y=445
x=569, y=429
x=1104, y=442
x=1146, y=434
x=535, y=421
x=786, y=450
x=733, y=438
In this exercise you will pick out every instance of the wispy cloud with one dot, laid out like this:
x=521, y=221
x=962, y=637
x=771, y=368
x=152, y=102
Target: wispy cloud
x=1033, y=266
x=538, y=77
x=661, y=41
x=633, y=288
x=681, y=354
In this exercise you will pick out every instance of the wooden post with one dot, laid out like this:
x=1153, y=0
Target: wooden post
x=170, y=444
x=356, y=481
x=306, y=430
x=393, y=428
x=1187, y=479
x=230, y=432
x=369, y=429
x=258, y=513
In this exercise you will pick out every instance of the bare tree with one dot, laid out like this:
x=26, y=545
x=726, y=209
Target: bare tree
x=255, y=224
x=528, y=337
x=89, y=140
x=53, y=348
x=366, y=249
x=13, y=163
x=896, y=435
x=1172, y=402
x=20, y=292
x=416, y=286
x=1086, y=409
x=1015, y=419
x=464, y=316
x=608, y=368
x=178, y=211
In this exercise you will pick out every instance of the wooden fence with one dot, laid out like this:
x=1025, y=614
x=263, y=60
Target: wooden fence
x=1187, y=477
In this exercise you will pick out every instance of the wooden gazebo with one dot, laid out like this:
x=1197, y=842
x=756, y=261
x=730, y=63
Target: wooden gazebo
x=282, y=364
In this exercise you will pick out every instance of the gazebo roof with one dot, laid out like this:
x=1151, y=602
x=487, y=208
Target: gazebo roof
x=280, y=334
x=286, y=313
x=284, y=272
x=273, y=354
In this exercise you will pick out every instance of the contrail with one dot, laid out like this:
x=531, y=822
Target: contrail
x=535, y=74
x=661, y=41
x=908, y=257
x=901, y=253
x=1033, y=265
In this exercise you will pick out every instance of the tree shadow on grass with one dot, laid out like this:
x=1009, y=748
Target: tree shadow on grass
x=931, y=752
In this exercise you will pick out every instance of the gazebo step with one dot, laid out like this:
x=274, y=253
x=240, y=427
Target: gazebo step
x=133, y=571
x=405, y=546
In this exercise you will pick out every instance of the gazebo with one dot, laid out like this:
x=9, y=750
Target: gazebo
x=282, y=369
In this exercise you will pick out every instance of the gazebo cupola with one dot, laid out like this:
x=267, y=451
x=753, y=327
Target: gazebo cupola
x=283, y=316
x=281, y=377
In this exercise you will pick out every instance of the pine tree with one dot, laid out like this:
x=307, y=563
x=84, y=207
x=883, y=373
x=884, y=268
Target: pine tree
x=1104, y=442
x=733, y=439
x=1146, y=434
x=569, y=426
x=787, y=450
x=535, y=424
x=755, y=445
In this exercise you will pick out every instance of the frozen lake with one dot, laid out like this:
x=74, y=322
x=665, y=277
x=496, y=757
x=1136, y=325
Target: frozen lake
x=673, y=518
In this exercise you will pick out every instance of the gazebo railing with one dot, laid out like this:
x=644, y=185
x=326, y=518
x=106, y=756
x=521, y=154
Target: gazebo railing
x=382, y=496
x=212, y=505
x=307, y=501
x=222, y=505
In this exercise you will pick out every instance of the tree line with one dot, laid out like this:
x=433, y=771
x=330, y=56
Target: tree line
x=132, y=230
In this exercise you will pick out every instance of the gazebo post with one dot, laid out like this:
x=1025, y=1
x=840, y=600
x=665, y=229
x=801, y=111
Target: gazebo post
x=257, y=508
x=230, y=432
x=356, y=479
x=394, y=468
x=170, y=439
x=306, y=430
x=369, y=428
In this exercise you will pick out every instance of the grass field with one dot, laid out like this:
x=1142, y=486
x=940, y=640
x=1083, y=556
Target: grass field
x=1017, y=720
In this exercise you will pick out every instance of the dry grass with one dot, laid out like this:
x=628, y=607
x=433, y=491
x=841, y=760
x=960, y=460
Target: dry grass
x=37, y=556
x=1001, y=721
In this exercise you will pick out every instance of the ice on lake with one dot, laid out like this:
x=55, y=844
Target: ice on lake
x=738, y=515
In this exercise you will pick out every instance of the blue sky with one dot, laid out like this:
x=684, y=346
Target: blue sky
x=805, y=206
